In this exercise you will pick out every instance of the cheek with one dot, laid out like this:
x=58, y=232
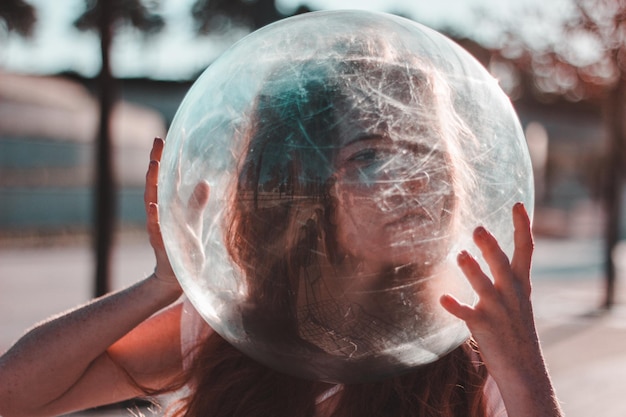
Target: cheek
x=357, y=204
x=356, y=215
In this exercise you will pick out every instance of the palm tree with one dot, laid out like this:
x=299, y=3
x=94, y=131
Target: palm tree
x=103, y=16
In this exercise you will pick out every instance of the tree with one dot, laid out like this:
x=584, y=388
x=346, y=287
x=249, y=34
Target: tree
x=219, y=15
x=105, y=16
x=18, y=16
x=580, y=55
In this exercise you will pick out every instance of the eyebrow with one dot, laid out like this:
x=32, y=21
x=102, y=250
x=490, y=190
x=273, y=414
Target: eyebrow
x=368, y=136
x=426, y=148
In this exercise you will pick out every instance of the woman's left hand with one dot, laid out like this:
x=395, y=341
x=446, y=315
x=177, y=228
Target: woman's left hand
x=502, y=321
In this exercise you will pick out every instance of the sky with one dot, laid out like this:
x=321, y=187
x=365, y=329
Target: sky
x=177, y=54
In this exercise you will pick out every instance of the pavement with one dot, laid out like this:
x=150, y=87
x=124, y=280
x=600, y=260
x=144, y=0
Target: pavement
x=584, y=346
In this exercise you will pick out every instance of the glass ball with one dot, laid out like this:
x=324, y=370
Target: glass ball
x=349, y=156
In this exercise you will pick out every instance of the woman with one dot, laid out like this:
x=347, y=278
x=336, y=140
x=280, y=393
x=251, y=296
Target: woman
x=128, y=344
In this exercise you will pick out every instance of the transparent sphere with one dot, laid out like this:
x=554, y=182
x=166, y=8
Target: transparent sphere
x=349, y=156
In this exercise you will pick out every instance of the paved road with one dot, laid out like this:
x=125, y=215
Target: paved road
x=585, y=349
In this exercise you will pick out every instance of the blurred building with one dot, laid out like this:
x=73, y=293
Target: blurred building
x=48, y=127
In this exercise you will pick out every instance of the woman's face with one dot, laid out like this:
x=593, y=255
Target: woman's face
x=393, y=202
x=393, y=191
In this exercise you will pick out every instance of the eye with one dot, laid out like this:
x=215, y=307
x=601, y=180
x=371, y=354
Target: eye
x=364, y=155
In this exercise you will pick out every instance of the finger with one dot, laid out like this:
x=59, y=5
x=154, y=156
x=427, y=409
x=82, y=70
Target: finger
x=495, y=257
x=150, y=194
x=152, y=176
x=456, y=308
x=524, y=245
x=197, y=202
x=479, y=281
x=200, y=196
x=157, y=149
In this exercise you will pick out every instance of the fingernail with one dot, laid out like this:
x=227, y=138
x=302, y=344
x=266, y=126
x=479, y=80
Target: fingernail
x=462, y=256
x=480, y=231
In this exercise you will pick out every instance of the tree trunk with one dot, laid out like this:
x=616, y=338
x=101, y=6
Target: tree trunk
x=105, y=185
x=615, y=111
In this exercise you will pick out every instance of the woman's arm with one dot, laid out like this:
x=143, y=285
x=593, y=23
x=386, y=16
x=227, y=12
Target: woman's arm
x=85, y=357
x=502, y=322
x=99, y=353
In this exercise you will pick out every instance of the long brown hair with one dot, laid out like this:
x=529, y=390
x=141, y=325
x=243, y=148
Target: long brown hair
x=226, y=383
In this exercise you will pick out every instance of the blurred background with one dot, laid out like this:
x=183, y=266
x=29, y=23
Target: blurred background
x=85, y=85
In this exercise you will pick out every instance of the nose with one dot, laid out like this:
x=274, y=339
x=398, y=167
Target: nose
x=402, y=193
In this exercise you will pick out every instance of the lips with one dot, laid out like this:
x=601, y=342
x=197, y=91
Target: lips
x=409, y=222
